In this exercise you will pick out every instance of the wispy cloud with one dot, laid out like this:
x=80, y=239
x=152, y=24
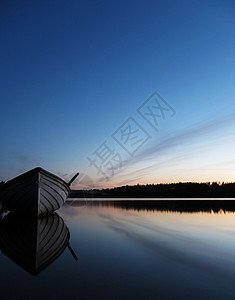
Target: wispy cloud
x=153, y=156
x=24, y=161
x=187, y=135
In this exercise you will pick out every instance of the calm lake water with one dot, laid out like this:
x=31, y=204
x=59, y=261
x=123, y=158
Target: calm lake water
x=124, y=251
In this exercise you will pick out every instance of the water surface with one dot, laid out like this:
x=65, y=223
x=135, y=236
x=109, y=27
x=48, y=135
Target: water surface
x=134, y=252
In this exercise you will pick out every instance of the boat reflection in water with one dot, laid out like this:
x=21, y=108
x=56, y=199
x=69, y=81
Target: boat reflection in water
x=33, y=243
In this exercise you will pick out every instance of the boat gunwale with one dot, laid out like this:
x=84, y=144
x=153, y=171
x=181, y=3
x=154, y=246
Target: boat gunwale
x=35, y=171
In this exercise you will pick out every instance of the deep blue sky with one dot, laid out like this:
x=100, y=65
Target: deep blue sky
x=72, y=72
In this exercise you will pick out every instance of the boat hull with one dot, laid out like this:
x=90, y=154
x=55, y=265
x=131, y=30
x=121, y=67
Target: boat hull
x=37, y=191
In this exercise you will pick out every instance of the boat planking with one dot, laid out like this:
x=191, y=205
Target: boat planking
x=37, y=191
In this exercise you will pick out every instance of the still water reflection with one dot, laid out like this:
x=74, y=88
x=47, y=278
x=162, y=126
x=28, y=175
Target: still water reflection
x=127, y=251
x=33, y=243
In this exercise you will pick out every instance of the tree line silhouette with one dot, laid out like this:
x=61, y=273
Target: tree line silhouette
x=171, y=190
x=168, y=190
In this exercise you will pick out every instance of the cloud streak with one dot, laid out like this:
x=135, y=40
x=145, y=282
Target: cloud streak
x=169, y=145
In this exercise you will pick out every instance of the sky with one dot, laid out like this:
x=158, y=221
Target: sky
x=124, y=92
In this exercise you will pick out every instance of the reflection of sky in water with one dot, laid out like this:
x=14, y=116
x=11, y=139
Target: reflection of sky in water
x=136, y=255
x=186, y=253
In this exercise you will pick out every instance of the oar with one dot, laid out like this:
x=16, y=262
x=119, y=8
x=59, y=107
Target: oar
x=74, y=177
x=72, y=252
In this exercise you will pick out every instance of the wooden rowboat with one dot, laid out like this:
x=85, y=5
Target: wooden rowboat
x=33, y=244
x=36, y=191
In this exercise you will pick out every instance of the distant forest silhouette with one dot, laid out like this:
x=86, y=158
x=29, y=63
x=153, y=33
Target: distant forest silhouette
x=171, y=190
